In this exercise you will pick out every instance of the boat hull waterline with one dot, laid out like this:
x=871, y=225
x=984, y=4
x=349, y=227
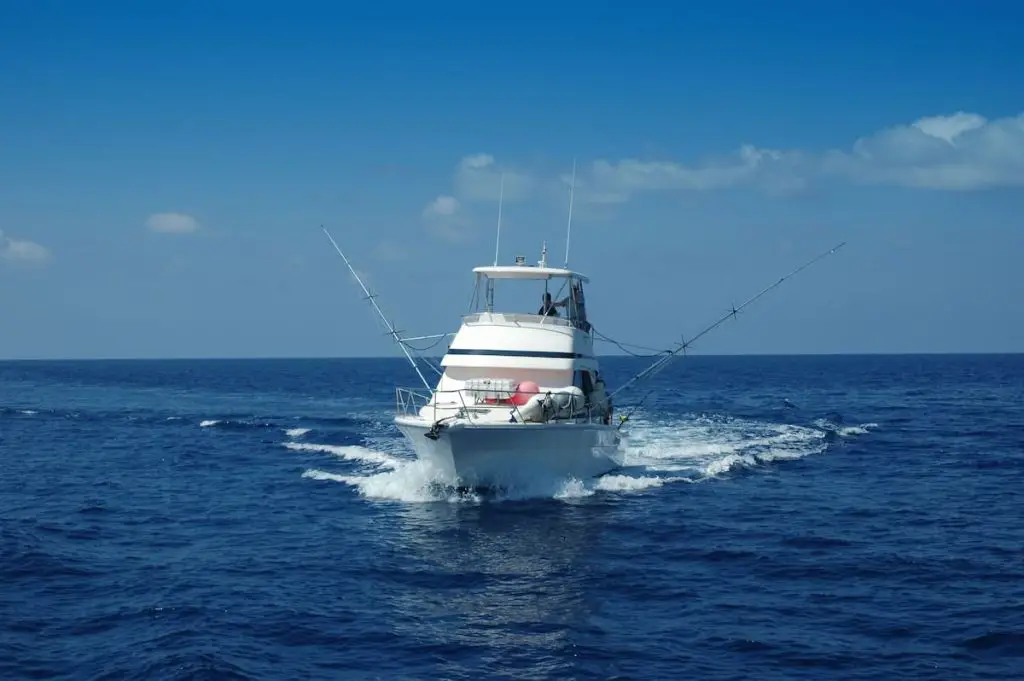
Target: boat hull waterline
x=499, y=455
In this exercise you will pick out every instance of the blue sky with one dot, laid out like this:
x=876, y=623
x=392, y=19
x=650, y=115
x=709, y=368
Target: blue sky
x=165, y=168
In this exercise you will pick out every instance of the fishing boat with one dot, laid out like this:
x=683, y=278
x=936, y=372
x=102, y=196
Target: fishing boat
x=520, y=395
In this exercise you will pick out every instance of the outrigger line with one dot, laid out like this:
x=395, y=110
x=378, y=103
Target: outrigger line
x=670, y=354
x=371, y=298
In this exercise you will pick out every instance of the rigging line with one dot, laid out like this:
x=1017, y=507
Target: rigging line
x=439, y=337
x=430, y=337
x=429, y=347
x=372, y=299
x=623, y=345
x=681, y=347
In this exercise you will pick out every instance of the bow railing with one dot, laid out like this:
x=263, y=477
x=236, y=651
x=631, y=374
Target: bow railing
x=465, y=403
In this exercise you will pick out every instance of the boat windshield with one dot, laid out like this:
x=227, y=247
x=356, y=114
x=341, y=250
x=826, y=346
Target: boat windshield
x=560, y=298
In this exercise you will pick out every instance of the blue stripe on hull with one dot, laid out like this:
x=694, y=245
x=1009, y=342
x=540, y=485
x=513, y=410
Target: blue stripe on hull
x=518, y=353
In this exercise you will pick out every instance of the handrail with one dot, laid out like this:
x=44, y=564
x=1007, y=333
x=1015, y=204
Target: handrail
x=410, y=402
x=517, y=318
x=514, y=318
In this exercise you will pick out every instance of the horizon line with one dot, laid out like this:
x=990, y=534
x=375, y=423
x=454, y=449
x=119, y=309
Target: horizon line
x=255, y=358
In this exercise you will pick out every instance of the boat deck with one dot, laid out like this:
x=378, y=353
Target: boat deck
x=463, y=403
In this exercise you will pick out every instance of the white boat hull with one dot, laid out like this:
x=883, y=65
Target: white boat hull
x=507, y=455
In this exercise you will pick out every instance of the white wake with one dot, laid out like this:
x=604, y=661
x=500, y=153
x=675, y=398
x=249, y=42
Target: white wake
x=659, y=452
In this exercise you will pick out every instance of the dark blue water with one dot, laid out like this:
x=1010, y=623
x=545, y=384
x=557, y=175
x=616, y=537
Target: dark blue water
x=781, y=518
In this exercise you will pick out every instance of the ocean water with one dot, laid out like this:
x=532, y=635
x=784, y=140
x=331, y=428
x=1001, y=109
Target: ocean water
x=779, y=518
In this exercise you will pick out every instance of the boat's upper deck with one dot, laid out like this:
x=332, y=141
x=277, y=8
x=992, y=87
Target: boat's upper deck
x=559, y=303
x=532, y=330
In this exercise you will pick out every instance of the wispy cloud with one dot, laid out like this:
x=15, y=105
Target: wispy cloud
x=447, y=219
x=442, y=206
x=172, y=223
x=478, y=178
x=21, y=250
x=607, y=181
x=961, y=151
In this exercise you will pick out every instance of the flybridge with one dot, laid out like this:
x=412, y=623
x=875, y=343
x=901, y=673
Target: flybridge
x=528, y=272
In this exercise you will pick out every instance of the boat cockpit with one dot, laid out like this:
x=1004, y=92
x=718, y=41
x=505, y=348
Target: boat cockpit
x=563, y=304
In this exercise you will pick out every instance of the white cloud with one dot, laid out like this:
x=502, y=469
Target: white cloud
x=442, y=206
x=21, y=250
x=448, y=220
x=172, y=223
x=961, y=151
x=479, y=178
x=615, y=182
x=949, y=127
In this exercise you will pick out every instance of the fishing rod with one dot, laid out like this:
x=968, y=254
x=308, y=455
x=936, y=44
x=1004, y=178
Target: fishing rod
x=372, y=298
x=669, y=354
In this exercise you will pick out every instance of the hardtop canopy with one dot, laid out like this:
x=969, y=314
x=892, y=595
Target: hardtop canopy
x=528, y=272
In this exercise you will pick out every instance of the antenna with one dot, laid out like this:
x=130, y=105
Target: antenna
x=568, y=229
x=501, y=197
x=371, y=297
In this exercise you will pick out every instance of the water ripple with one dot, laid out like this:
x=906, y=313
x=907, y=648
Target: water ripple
x=784, y=518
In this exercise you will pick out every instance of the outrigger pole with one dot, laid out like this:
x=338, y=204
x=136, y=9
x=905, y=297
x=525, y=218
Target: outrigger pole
x=671, y=353
x=371, y=297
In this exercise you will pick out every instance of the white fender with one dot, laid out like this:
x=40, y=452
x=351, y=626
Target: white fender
x=532, y=411
x=568, y=401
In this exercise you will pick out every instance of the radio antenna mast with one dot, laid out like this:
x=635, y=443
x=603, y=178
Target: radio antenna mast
x=568, y=229
x=371, y=298
x=501, y=197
